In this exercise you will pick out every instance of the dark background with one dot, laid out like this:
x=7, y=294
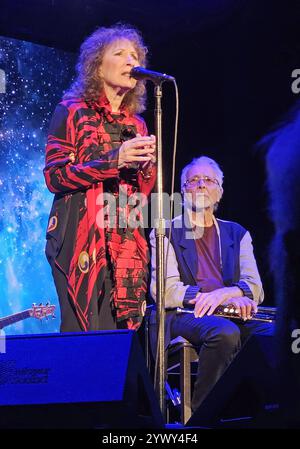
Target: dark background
x=232, y=60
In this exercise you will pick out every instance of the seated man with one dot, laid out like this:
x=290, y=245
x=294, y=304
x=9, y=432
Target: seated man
x=210, y=262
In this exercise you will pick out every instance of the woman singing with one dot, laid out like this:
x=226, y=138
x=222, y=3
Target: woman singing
x=98, y=152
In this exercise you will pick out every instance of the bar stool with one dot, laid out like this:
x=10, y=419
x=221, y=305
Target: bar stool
x=183, y=360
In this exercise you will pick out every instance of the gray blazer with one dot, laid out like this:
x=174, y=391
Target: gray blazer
x=237, y=263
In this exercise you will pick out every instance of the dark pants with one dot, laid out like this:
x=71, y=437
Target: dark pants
x=219, y=340
x=104, y=320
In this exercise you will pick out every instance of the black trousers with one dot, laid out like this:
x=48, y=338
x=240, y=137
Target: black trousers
x=104, y=320
x=219, y=340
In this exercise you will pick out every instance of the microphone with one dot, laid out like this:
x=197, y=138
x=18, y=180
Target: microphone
x=140, y=73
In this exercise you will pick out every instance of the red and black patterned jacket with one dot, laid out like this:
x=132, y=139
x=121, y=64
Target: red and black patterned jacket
x=82, y=164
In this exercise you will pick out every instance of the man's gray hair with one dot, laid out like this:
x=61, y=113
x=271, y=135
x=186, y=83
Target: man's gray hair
x=202, y=160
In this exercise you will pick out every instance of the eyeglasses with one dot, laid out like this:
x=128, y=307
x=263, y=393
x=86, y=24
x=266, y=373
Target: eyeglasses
x=195, y=181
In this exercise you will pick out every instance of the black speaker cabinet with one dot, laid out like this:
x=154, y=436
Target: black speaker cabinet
x=84, y=380
x=247, y=395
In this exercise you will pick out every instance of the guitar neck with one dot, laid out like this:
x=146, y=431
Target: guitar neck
x=6, y=321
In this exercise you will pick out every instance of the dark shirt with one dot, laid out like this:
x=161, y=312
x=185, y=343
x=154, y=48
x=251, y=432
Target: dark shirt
x=209, y=276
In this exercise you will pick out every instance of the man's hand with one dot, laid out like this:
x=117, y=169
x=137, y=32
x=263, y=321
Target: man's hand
x=244, y=306
x=206, y=303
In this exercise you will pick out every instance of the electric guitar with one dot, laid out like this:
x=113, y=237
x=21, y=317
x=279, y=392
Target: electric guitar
x=38, y=312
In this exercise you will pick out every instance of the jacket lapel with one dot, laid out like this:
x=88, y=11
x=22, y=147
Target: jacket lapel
x=226, y=253
x=189, y=252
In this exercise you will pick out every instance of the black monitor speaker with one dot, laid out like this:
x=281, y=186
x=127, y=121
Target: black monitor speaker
x=247, y=394
x=76, y=380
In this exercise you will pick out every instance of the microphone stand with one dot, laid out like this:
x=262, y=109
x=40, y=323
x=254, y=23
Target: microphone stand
x=160, y=235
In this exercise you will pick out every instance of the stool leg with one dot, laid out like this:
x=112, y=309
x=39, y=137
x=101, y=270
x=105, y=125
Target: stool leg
x=185, y=384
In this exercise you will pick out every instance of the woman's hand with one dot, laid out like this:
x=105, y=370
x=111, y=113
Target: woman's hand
x=139, y=149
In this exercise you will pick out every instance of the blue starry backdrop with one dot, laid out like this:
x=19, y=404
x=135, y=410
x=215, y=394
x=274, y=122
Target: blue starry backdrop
x=33, y=79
